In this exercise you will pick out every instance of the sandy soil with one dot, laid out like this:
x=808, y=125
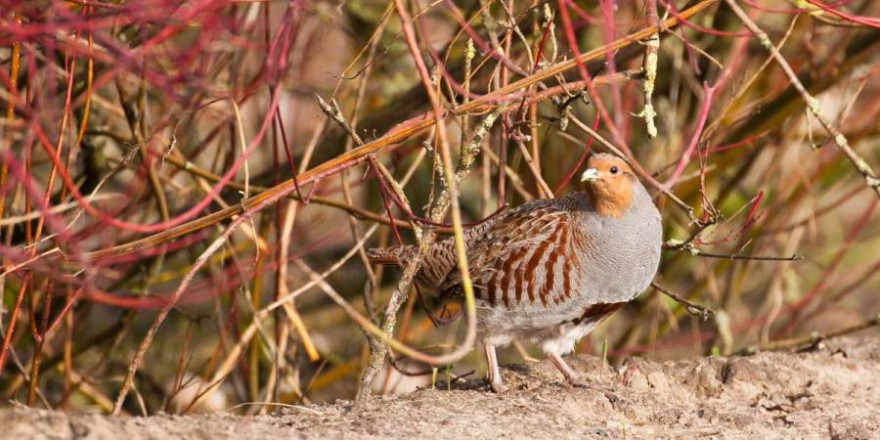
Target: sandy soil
x=832, y=392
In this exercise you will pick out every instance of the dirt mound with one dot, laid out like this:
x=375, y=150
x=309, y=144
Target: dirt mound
x=830, y=392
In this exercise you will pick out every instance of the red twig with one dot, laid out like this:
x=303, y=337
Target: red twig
x=858, y=19
x=580, y=162
x=708, y=95
x=582, y=68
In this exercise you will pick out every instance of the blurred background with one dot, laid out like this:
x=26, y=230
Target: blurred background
x=178, y=210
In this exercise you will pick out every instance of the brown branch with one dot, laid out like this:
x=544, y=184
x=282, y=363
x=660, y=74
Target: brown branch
x=693, y=309
x=693, y=250
x=812, y=103
x=810, y=341
x=403, y=131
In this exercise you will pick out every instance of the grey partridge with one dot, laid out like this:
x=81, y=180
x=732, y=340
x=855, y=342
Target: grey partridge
x=550, y=270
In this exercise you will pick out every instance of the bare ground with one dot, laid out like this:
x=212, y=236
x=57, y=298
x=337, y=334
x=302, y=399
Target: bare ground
x=832, y=392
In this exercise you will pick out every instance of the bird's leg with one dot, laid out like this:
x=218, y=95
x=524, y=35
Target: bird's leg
x=571, y=375
x=494, y=373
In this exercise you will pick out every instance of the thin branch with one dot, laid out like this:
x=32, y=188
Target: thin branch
x=693, y=250
x=647, y=176
x=812, y=103
x=403, y=131
x=693, y=309
x=810, y=341
x=450, y=193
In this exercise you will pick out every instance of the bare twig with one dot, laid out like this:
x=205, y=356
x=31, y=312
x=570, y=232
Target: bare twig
x=450, y=193
x=617, y=151
x=693, y=250
x=358, y=155
x=811, y=340
x=693, y=309
x=812, y=103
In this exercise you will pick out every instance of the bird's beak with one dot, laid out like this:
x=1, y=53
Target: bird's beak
x=590, y=175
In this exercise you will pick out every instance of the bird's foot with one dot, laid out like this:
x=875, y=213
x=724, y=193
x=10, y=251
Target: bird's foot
x=498, y=386
x=578, y=382
x=571, y=375
x=495, y=381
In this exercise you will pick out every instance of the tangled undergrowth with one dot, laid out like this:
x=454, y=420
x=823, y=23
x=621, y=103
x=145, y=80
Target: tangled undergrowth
x=187, y=188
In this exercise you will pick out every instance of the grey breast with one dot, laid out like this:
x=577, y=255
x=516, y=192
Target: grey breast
x=624, y=253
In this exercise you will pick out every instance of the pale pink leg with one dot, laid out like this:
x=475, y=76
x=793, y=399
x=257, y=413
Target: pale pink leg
x=494, y=373
x=572, y=376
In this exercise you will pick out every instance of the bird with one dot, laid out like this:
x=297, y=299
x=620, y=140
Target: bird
x=550, y=270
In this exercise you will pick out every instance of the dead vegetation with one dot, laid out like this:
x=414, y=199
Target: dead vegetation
x=183, y=220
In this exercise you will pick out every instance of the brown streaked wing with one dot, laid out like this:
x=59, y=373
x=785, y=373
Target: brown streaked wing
x=501, y=259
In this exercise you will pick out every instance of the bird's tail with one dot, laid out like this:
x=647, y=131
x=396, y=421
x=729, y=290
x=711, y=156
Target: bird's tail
x=393, y=256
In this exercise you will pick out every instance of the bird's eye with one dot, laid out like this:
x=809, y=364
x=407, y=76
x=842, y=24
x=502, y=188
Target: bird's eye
x=614, y=170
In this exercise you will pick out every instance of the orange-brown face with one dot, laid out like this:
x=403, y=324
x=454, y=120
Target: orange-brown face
x=609, y=182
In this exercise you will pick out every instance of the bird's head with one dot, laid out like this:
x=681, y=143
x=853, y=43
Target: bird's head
x=609, y=182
